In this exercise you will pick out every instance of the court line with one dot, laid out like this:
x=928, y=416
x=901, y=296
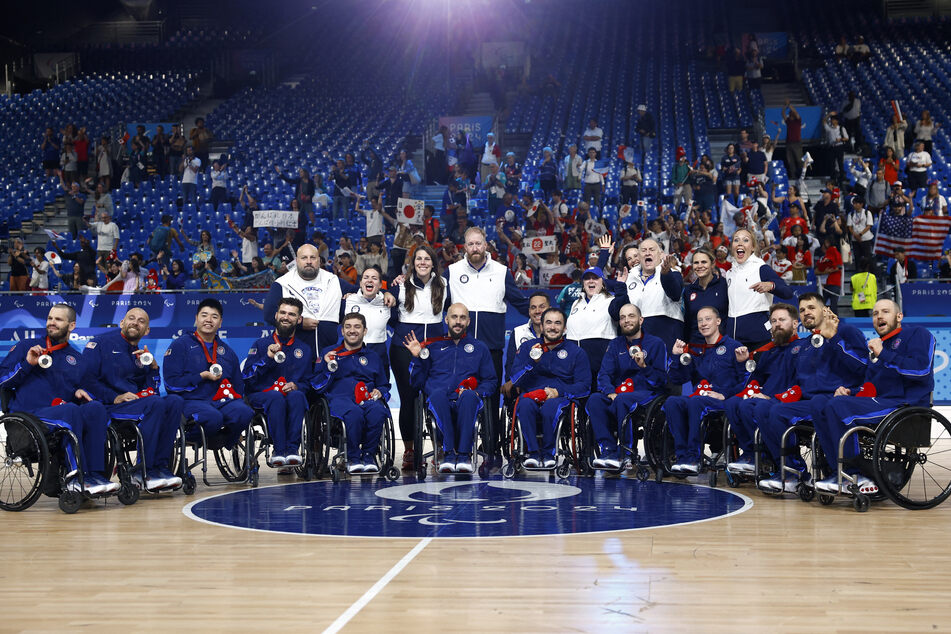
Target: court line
x=368, y=596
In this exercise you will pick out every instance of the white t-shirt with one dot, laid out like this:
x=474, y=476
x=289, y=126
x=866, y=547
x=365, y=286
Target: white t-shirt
x=40, y=277
x=374, y=223
x=591, y=176
x=598, y=132
x=249, y=249
x=920, y=159
x=488, y=156
x=190, y=175
x=219, y=178
x=858, y=220
x=108, y=235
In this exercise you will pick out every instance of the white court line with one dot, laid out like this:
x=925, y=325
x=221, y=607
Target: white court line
x=368, y=596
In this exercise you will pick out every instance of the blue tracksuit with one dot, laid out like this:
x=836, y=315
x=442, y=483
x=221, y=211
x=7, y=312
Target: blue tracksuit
x=284, y=411
x=717, y=364
x=565, y=368
x=34, y=389
x=903, y=375
x=449, y=363
x=364, y=422
x=111, y=370
x=697, y=297
x=840, y=361
x=184, y=362
x=618, y=366
x=775, y=371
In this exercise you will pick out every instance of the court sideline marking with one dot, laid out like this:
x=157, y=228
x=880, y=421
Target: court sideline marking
x=368, y=596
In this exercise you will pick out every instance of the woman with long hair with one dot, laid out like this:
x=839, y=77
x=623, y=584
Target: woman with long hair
x=709, y=289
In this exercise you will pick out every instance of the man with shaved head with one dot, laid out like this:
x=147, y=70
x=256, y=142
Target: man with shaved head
x=126, y=379
x=900, y=371
x=457, y=375
x=655, y=285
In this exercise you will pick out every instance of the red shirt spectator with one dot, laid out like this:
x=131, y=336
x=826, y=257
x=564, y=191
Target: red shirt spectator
x=830, y=264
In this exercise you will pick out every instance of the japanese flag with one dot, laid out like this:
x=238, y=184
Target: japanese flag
x=539, y=244
x=409, y=211
x=532, y=210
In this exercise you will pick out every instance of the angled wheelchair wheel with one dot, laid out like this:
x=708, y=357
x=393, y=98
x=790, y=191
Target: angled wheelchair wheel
x=233, y=462
x=659, y=443
x=24, y=457
x=912, y=458
x=419, y=438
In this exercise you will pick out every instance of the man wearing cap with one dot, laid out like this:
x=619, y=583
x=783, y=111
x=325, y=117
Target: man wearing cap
x=491, y=155
x=679, y=174
x=205, y=371
x=836, y=138
x=126, y=378
x=860, y=223
x=899, y=203
x=345, y=269
x=917, y=166
x=825, y=206
x=592, y=137
x=646, y=129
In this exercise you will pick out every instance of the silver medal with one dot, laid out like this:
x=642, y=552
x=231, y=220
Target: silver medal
x=634, y=351
x=146, y=358
x=750, y=365
x=280, y=357
x=535, y=354
x=424, y=353
x=216, y=369
x=817, y=340
x=872, y=357
x=332, y=365
x=686, y=358
x=45, y=361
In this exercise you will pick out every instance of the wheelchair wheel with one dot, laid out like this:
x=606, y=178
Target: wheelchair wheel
x=233, y=462
x=128, y=494
x=189, y=484
x=24, y=457
x=70, y=501
x=912, y=458
x=419, y=438
x=660, y=444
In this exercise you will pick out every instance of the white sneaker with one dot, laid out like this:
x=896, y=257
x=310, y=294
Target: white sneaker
x=293, y=460
x=550, y=463
x=278, y=461
x=676, y=468
x=598, y=463
x=94, y=485
x=531, y=463
x=743, y=465
x=829, y=485
x=689, y=467
x=464, y=466
x=112, y=487
x=72, y=485
x=866, y=485
x=355, y=467
x=776, y=484
x=447, y=467
x=371, y=468
x=611, y=463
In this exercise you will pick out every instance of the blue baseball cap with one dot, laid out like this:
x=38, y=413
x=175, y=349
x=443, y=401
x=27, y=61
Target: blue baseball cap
x=594, y=270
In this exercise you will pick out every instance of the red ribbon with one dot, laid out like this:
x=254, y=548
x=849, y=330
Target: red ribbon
x=213, y=357
x=51, y=348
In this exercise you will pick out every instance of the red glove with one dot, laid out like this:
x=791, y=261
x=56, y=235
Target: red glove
x=539, y=395
x=278, y=385
x=868, y=389
x=791, y=395
x=702, y=388
x=360, y=393
x=753, y=387
x=468, y=383
x=226, y=391
x=58, y=401
x=146, y=392
x=626, y=386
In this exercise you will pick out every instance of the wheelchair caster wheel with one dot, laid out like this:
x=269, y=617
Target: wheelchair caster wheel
x=253, y=477
x=421, y=474
x=563, y=470
x=392, y=474
x=334, y=475
x=806, y=493
x=731, y=480
x=860, y=503
x=484, y=470
x=70, y=501
x=659, y=475
x=508, y=471
x=826, y=500
x=189, y=484
x=643, y=474
x=712, y=479
x=128, y=494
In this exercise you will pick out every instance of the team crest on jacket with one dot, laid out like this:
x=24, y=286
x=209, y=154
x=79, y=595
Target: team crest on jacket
x=693, y=296
x=363, y=360
x=70, y=359
x=252, y=351
x=298, y=353
x=896, y=343
x=221, y=349
x=469, y=348
x=463, y=278
x=562, y=354
x=355, y=309
x=721, y=350
x=91, y=345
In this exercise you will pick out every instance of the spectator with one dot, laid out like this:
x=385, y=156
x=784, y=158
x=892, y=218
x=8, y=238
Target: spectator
x=249, y=241
x=375, y=216
x=895, y=136
x=944, y=270
x=801, y=259
x=138, y=148
x=878, y=192
x=852, y=119
x=70, y=162
x=85, y=257
x=513, y=174
x=864, y=288
x=899, y=204
x=40, y=279
x=75, y=206
x=842, y=49
x=889, y=165
x=176, y=149
x=593, y=180
x=72, y=281
x=17, y=260
x=704, y=183
x=768, y=147
x=645, y=129
x=344, y=269
x=160, y=243
x=782, y=265
x=592, y=137
x=863, y=174
x=219, y=182
x=860, y=52
x=174, y=278
x=934, y=204
x=902, y=269
x=754, y=70
x=374, y=167
x=735, y=70
x=81, y=145
x=406, y=169
x=829, y=270
x=491, y=154
x=204, y=248
x=107, y=233
x=631, y=179
x=755, y=162
x=730, y=173
x=916, y=167
x=572, y=169
x=375, y=256
x=104, y=163
x=201, y=138
x=495, y=189
x=678, y=179
x=160, y=152
x=440, y=173
x=102, y=200
x=794, y=126
x=189, y=169
x=431, y=225
x=548, y=172
x=925, y=129
x=392, y=189
x=836, y=138
x=860, y=225
x=49, y=149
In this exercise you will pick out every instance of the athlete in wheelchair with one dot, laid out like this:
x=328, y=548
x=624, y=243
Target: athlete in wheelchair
x=885, y=436
x=551, y=374
x=633, y=375
x=53, y=433
x=352, y=380
x=454, y=375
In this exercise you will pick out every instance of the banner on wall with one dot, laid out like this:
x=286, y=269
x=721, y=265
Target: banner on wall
x=476, y=127
x=771, y=43
x=922, y=299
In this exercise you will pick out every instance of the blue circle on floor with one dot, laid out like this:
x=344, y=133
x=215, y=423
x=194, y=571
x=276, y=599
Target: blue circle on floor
x=466, y=507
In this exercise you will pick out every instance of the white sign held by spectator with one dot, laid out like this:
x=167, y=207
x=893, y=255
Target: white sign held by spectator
x=275, y=218
x=540, y=244
x=409, y=211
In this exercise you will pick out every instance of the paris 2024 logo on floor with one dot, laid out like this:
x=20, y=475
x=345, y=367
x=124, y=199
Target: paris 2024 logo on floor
x=466, y=508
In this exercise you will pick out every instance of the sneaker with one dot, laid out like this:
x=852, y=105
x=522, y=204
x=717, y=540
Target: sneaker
x=355, y=467
x=447, y=467
x=94, y=484
x=829, y=485
x=408, y=458
x=531, y=462
x=72, y=485
x=154, y=480
x=691, y=468
x=776, y=484
x=111, y=487
x=612, y=463
x=464, y=466
x=171, y=480
x=550, y=460
x=278, y=461
x=370, y=467
x=745, y=464
x=293, y=460
x=866, y=485
x=598, y=463
x=677, y=468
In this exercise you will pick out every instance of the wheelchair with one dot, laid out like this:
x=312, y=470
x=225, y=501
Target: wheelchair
x=310, y=465
x=331, y=434
x=127, y=440
x=572, y=444
x=234, y=463
x=638, y=430
x=907, y=454
x=34, y=462
x=661, y=447
x=805, y=450
x=426, y=429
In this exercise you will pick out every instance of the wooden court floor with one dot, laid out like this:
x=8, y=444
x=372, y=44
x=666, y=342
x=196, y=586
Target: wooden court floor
x=782, y=565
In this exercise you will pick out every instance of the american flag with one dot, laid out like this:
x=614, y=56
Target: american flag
x=922, y=237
